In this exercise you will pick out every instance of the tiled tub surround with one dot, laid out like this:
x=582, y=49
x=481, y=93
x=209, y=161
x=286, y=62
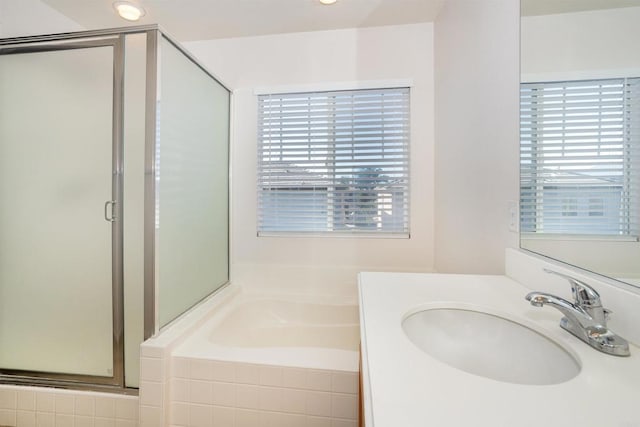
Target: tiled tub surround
x=46, y=407
x=253, y=364
x=231, y=394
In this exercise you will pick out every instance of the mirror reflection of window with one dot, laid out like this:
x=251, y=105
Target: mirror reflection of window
x=580, y=155
x=596, y=207
x=562, y=43
x=569, y=207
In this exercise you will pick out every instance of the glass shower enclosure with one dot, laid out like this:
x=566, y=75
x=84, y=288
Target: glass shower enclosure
x=114, y=200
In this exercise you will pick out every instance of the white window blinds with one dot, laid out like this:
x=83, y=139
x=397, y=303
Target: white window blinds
x=580, y=155
x=334, y=162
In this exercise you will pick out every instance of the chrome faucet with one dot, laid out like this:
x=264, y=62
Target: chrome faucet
x=585, y=317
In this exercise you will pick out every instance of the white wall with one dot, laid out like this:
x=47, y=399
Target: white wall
x=582, y=45
x=32, y=17
x=325, y=60
x=477, y=154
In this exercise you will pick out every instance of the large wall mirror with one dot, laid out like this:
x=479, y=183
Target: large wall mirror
x=580, y=134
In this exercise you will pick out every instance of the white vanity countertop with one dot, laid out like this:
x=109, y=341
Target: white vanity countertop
x=404, y=387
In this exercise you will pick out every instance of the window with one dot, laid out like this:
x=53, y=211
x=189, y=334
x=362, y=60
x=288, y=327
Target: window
x=579, y=157
x=334, y=162
x=596, y=207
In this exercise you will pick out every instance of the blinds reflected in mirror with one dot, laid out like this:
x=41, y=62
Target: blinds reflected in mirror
x=579, y=157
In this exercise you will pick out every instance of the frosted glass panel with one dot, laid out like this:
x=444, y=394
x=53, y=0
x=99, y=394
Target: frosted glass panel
x=55, y=245
x=192, y=222
x=133, y=203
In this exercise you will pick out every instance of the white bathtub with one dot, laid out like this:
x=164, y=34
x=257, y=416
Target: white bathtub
x=267, y=360
x=283, y=331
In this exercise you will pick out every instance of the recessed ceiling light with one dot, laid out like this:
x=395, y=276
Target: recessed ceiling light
x=328, y=1
x=128, y=11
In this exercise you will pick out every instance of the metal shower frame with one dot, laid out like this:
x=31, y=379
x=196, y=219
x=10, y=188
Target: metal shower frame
x=116, y=39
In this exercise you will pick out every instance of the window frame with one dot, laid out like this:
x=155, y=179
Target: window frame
x=333, y=230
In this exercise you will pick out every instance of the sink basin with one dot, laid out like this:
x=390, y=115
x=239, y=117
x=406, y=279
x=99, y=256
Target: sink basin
x=490, y=346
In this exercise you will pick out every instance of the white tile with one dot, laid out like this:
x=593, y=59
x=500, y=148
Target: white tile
x=8, y=399
x=45, y=419
x=318, y=422
x=200, y=416
x=247, y=396
x=26, y=418
x=27, y=400
x=179, y=367
x=200, y=392
x=45, y=402
x=223, y=371
x=294, y=378
x=318, y=403
x=247, y=418
x=223, y=416
x=247, y=374
x=151, y=393
x=179, y=413
x=200, y=369
x=344, y=406
x=271, y=398
x=271, y=376
x=150, y=416
x=224, y=394
x=64, y=420
x=147, y=350
x=127, y=409
x=166, y=371
x=64, y=404
x=318, y=380
x=278, y=419
x=151, y=369
x=270, y=419
x=85, y=405
x=82, y=421
x=104, y=422
x=344, y=423
x=7, y=417
x=294, y=401
x=128, y=423
x=105, y=407
x=291, y=420
x=344, y=382
x=179, y=390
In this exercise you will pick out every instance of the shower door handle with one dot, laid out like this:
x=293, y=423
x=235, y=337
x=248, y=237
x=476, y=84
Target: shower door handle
x=107, y=217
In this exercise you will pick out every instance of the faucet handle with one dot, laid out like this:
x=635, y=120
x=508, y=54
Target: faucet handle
x=584, y=295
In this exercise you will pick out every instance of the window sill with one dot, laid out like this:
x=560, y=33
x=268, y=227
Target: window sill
x=333, y=234
x=577, y=237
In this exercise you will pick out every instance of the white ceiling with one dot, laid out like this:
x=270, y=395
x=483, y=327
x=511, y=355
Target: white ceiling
x=189, y=20
x=208, y=19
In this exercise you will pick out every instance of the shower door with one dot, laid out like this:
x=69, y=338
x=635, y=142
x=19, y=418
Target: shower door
x=60, y=210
